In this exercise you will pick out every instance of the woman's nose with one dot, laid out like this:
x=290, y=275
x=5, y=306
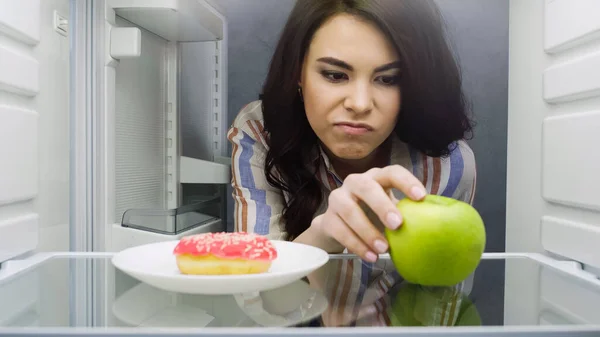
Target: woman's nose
x=359, y=98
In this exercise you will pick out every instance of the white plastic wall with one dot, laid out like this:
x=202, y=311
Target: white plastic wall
x=19, y=120
x=140, y=132
x=34, y=154
x=553, y=162
x=34, y=127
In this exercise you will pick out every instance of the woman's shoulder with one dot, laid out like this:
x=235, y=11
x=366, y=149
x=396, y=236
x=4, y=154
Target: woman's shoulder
x=247, y=130
x=461, y=171
x=459, y=161
x=465, y=151
x=453, y=175
x=250, y=115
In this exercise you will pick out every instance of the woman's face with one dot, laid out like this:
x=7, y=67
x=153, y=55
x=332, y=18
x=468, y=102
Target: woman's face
x=350, y=87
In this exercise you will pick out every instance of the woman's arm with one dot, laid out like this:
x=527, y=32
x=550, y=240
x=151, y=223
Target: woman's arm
x=258, y=205
x=468, y=182
x=315, y=238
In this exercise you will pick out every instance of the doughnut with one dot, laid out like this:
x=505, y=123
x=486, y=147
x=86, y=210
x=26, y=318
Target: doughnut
x=224, y=254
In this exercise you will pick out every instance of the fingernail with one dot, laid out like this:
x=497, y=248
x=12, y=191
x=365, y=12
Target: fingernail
x=371, y=257
x=380, y=246
x=418, y=193
x=393, y=220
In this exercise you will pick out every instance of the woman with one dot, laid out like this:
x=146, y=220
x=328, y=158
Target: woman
x=362, y=105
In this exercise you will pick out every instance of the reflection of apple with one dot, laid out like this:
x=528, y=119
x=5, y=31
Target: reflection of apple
x=439, y=243
x=468, y=315
x=415, y=305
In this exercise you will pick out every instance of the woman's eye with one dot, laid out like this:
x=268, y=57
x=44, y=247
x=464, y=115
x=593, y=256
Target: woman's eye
x=334, y=76
x=389, y=80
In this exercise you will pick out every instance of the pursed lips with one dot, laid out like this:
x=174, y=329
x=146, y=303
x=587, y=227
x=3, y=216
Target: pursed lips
x=354, y=128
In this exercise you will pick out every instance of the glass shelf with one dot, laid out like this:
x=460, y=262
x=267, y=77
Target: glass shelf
x=508, y=295
x=174, y=221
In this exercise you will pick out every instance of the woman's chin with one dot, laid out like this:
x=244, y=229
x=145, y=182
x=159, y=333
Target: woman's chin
x=353, y=152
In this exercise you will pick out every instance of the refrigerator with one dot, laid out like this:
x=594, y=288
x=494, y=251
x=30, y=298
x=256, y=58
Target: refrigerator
x=95, y=160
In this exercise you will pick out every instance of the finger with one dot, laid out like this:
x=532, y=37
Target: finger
x=396, y=176
x=323, y=239
x=369, y=191
x=345, y=206
x=337, y=229
x=367, y=311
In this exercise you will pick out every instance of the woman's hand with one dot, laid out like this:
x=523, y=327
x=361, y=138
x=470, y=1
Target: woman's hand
x=346, y=223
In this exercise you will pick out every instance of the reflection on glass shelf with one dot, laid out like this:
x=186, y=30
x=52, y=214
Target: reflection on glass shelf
x=145, y=306
x=528, y=293
x=414, y=305
x=174, y=221
x=37, y=297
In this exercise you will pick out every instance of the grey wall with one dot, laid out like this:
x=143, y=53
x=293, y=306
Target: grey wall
x=254, y=26
x=480, y=33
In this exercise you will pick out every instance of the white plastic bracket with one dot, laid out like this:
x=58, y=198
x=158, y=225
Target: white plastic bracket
x=216, y=104
x=591, y=270
x=125, y=42
x=60, y=24
x=174, y=194
x=575, y=268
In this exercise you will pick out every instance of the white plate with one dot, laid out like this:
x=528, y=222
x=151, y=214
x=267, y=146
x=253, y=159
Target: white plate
x=155, y=265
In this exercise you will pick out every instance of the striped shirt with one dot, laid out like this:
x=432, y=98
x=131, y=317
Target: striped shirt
x=352, y=284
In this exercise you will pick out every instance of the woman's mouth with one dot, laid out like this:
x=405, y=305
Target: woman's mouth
x=354, y=128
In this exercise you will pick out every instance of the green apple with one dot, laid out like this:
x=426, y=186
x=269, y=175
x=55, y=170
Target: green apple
x=415, y=305
x=440, y=242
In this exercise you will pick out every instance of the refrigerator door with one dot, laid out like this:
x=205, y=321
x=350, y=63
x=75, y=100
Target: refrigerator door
x=45, y=142
x=553, y=163
x=20, y=87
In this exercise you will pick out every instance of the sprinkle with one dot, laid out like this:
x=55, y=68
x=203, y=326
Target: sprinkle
x=237, y=245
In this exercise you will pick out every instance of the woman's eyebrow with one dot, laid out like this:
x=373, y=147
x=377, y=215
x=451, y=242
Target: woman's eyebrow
x=391, y=65
x=339, y=63
x=335, y=62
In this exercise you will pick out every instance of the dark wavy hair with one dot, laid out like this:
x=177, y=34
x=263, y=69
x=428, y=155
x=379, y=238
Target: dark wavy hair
x=433, y=115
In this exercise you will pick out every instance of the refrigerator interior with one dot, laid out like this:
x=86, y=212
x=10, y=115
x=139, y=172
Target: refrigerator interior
x=552, y=165
x=162, y=183
x=90, y=100
x=159, y=194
